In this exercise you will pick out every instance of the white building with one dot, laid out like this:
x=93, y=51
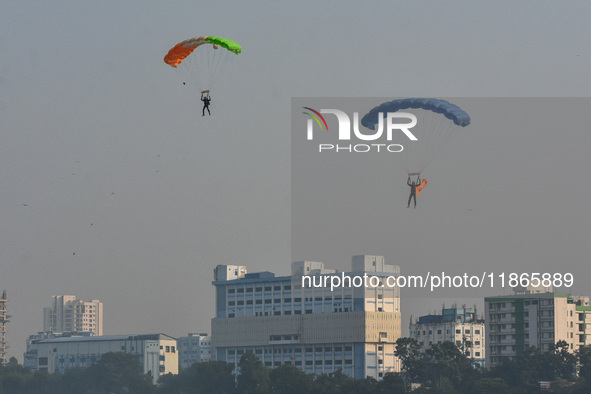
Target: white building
x=194, y=348
x=156, y=352
x=69, y=314
x=353, y=329
x=535, y=318
x=31, y=355
x=458, y=325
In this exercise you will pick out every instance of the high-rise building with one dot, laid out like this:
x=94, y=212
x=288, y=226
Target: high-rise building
x=70, y=314
x=534, y=317
x=3, y=320
x=194, y=348
x=458, y=325
x=300, y=320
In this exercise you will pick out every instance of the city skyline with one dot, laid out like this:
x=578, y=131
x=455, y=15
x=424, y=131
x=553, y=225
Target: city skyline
x=114, y=187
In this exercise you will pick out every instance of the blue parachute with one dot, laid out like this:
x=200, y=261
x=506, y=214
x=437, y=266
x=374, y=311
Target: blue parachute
x=437, y=122
x=449, y=110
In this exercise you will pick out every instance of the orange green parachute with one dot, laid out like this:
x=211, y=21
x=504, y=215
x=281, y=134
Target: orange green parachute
x=180, y=51
x=199, y=60
x=421, y=186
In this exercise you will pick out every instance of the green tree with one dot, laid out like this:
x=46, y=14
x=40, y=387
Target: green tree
x=332, y=383
x=288, y=379
x=118, y=373
x=489, y=386
x=14, y=378
x=391, y=383
x=408, y=351
x=254, y=376
x=212, y=377
x=447, y=366
x=215, y=377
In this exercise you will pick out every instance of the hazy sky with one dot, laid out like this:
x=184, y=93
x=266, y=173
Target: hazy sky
x=114, y=187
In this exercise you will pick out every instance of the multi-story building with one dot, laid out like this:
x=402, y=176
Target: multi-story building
x=458, y=325
x=31, y=355
x=300, y=320
x=194, y=348
x=537, y=318
x=70, y=314
x=156, y=352
x=3, y=320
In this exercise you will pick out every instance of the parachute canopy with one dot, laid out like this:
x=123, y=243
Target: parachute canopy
x=449, y=110
x=200, y=59
x=180, y=51
x=437, y=121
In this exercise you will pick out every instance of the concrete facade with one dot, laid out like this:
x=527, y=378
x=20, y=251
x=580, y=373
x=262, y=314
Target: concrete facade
x=157, y=353
x=70, y=314
x=539, y=319
x=319, y=330
x=194, y=348
x=458, y=325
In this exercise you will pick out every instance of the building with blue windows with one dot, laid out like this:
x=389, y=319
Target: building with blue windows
x=307, y=320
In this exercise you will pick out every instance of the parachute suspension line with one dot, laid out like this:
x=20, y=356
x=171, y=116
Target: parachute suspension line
x=210, y=63
x=438, y=121
x=439, y=131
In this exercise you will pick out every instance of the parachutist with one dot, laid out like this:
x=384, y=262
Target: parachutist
x=206, y=100
x=413, y=190
x=415, y=187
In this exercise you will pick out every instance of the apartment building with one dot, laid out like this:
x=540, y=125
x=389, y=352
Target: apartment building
x=70, y=314
x=194, y=348
x=458, y=325
x=534, y=317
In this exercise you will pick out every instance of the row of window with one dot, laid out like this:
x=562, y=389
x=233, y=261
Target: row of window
x=308, y=300
x=296, y=350
x=257, y=289
x=288, y=312
x=458, y=331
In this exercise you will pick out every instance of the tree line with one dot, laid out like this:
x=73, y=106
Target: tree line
x=443, y=368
